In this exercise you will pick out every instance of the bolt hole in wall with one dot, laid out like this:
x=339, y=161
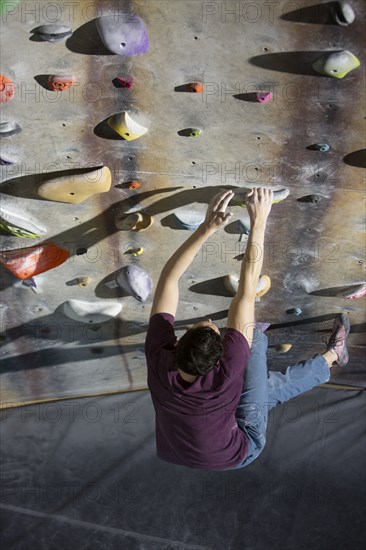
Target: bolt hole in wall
x=63, y=125
x=123, y=44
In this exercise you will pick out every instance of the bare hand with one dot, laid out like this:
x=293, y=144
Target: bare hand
x=215, y=215
x=259, y=202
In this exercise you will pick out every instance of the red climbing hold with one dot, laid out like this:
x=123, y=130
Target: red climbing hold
x=125, y=81
x=25, y=263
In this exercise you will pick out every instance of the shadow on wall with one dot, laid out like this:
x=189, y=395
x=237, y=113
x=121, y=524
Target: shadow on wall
x=318, y=14
x=357, y=158
x=86, y=40
x=289, y=62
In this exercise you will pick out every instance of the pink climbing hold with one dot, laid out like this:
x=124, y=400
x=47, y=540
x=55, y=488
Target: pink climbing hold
x=125, y=81
x=264, y=97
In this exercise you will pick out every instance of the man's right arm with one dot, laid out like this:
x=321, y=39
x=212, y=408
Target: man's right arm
x=241, y=311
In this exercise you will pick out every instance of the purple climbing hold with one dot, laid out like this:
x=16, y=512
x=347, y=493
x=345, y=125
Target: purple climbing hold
x=123, y=35
x=135, y=281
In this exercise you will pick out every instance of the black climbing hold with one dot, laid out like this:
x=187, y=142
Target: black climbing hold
x=294, y=311
x=310, y=198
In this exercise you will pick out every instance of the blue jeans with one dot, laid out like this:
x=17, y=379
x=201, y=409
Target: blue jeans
x=263, y=390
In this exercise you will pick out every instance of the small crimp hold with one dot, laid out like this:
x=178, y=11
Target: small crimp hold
x=7, y=89
x=264, y=97
x=195, y=87
x=195, y=132
x=125, y=81
x=134, y=184
x=294, y=311
x=324, y=147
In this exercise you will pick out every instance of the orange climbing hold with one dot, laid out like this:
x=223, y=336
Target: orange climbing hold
x=7, y=89
x=25, y=263
x=195, y=87
x=134, y=184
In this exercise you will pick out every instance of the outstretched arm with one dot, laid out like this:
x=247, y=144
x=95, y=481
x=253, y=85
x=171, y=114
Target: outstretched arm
x=167, y=292
x=241, y=311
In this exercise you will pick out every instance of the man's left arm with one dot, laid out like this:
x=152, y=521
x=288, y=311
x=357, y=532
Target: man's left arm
x=167, y=291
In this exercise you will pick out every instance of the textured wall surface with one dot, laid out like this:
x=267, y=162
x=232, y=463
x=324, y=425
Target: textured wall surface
x=234, y=49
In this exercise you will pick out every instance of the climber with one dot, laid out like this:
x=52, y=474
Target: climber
x=212, y=395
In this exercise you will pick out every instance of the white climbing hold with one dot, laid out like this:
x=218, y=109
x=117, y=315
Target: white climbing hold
x=187, y=219
x=18, y=225
x=91, y=312
x=231, y=283
x=135, y=281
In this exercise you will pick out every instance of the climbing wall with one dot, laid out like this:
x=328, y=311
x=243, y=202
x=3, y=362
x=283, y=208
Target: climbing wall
x=196, y=143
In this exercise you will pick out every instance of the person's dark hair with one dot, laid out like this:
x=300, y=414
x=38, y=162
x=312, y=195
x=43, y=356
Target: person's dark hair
x=198, y=351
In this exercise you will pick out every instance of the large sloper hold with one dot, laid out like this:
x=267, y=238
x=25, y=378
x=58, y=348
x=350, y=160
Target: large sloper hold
x=342, y=13
x=8, y=129
x=336, y=64
x=25, y=263
x=350, y=292
x=127, y=128
x=187, y=219
x=76, y=188
x=135, y=281
x=231, y=283
x=123, y=34
x=19, y=225
x=91, y=312
x=53, y=33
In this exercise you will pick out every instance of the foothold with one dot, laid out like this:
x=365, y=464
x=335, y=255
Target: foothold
x=137, y=251
x=84, y=281
x=76, y=188
x=123, y=36
x=81, y=251
x=336, y=64
x=53, y=33
x=195, y=132
x=186, y=219
x=264, y=284
x=59, y=83
x=244, y=227
x=25, y=263
x=294, y=311
x=343, y=13
x=7, y=89
x=138, y=221
x=30, y=283
x=127, y=128
x=311, y=198
x=231, y=283
x=6, y=161
x=135, y=281
x=195, y=87
x=283, y=348
x=125, y=81
x=8, y=129
x=264, y=97
x=134, y=184
x=358, y=292
x=324, y=147
x=91, y=312
x=19, y=226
